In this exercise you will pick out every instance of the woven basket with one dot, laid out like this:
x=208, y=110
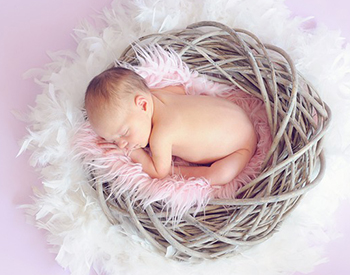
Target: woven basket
x=298, y=120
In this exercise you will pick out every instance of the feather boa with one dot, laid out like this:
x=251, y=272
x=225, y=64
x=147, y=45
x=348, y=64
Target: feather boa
x=162, y=68
x=67, y=207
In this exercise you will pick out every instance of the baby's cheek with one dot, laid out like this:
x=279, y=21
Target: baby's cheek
x=135, y=139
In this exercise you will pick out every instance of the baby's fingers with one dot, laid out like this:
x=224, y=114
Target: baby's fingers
x=105, y=145
x=109, y=148
x=113, y=151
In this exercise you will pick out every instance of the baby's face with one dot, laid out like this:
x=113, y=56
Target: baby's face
x=128, y=129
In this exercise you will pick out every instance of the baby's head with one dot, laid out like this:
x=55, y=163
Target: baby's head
x=119, y=107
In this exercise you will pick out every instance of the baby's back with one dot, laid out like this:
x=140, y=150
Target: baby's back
x=205, y=128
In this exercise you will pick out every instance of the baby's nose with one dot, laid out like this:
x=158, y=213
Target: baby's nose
x=122, y=144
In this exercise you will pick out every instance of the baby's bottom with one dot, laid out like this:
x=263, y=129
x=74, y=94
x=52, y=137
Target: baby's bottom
x=219, y=172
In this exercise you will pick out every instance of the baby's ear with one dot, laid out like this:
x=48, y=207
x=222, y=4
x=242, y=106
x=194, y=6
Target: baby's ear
x=141, y=102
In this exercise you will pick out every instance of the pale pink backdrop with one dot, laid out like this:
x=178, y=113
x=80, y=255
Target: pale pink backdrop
x=28, y=29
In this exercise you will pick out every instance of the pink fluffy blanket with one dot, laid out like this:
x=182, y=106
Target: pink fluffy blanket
x=162, y=68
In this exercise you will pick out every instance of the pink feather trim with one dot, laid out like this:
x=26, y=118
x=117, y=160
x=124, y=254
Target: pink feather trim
x=162, y=68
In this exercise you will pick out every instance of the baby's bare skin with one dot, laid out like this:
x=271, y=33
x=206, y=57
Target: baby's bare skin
x=205, y=130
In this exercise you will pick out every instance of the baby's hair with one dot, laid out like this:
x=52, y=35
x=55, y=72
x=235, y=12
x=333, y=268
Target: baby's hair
x=113, y=86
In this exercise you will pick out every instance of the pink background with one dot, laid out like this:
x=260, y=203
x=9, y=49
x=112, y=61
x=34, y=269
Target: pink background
x=28, y=29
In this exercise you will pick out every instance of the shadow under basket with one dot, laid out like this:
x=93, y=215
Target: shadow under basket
x=298, y=120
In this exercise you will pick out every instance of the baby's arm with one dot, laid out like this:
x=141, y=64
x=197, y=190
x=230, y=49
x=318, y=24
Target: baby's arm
x=221, y=171
x=157, y=166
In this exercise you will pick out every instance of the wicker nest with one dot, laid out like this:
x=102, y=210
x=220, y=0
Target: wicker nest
x=298, y=119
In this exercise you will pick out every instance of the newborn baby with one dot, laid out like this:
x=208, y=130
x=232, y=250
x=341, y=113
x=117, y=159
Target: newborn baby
x=212, y=132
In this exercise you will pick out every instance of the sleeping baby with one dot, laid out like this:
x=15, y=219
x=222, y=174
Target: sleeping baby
x=211, y=132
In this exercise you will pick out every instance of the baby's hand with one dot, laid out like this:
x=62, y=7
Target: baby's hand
x=109, y=147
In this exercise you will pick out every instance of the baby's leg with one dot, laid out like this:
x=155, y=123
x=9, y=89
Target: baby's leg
x=221, y=171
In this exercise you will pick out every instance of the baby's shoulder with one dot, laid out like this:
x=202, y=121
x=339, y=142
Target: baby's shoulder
x=178, y=89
